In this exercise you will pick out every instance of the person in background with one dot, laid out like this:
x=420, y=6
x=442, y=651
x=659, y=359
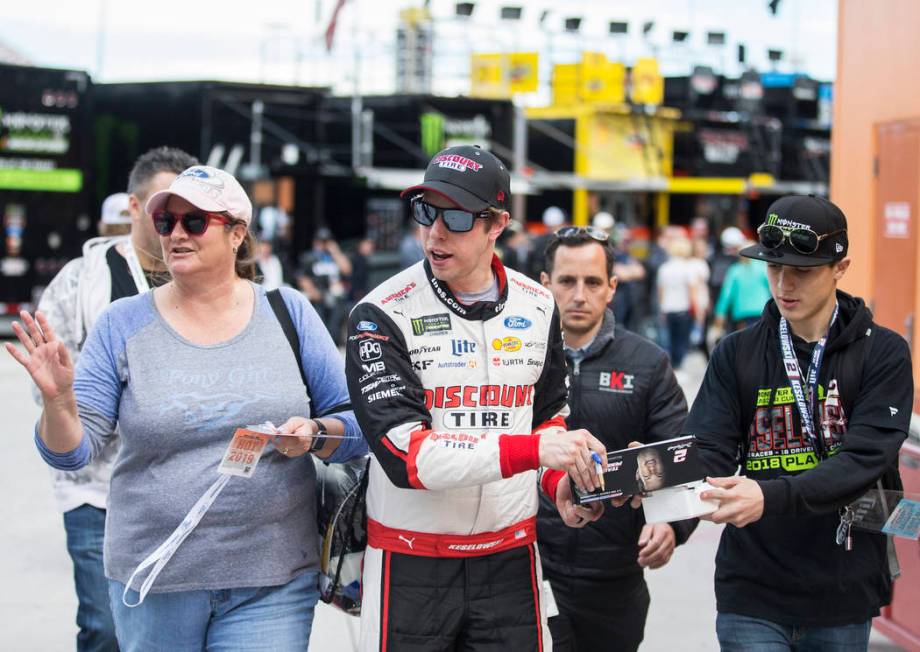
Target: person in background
x=246, y=577
x=270, y=268
x=109, y=269
x=745, y=291
x=410, y=246
x=621, y=388
x=631, y=275
x=554, y=218
x=359, y=283
x=116, y=215
x=323, y=271
x=701, y=306
x=731, y=241
x=677, y=286
x=508, y=246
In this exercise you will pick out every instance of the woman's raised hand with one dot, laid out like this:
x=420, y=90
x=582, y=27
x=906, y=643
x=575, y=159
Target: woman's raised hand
x=46, y=358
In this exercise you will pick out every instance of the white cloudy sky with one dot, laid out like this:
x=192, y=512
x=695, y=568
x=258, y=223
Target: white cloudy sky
x=260, y=41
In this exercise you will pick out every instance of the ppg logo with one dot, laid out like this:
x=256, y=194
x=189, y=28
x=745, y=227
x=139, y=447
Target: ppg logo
x=369, y=350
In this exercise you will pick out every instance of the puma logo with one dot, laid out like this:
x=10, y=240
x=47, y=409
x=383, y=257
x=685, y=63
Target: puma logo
x=408, y=541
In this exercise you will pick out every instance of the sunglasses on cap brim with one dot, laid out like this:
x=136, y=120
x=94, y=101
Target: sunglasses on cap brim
x=194, y=222
x=573, y=232
x=456, y=220
x=803, y=240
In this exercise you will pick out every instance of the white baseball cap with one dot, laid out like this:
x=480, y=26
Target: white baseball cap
x=553, y=216
x=603, y=220
x=208, y=189
x=732, y=237
x=115, y=209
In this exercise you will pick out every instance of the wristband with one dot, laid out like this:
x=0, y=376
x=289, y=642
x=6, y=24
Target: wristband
x=319, y=438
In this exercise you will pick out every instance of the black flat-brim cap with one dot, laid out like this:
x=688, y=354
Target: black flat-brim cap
x=467, y=175
x=804, y=211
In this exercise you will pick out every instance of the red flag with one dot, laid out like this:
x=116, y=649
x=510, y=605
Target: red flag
x=330, y=28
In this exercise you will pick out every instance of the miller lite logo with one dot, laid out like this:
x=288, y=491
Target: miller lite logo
x=456, y=162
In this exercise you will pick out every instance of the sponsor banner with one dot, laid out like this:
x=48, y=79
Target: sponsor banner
x=54, y=180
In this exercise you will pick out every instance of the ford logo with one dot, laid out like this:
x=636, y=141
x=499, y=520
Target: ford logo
x=517, y=323
x=367, y=326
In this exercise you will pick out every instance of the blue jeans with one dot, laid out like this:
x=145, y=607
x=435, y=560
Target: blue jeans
x=85, y=528
x=272, y=618
x=679, y=326
x=746, y=634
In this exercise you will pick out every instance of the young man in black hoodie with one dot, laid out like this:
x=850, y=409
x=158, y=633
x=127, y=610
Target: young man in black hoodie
x=621, y=388
x=813, y=402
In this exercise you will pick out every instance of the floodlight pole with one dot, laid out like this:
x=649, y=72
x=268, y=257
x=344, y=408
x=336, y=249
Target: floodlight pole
x=357, y=104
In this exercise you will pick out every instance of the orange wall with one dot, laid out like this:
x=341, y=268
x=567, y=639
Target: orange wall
x=878, y=55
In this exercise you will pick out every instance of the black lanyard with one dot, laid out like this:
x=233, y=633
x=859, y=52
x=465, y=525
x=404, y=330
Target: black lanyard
x=805, y=403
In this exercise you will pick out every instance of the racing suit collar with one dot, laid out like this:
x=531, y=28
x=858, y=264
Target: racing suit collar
x=481, y=310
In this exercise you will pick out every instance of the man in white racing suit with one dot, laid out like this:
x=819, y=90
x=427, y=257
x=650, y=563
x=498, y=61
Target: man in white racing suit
x=456, y=372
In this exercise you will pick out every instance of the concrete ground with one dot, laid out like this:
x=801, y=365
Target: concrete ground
x=37, y=603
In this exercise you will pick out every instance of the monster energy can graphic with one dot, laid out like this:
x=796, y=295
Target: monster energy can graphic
x=432, y=126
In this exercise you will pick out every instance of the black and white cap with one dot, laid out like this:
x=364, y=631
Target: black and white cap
x=804, y=212
x=469, y=176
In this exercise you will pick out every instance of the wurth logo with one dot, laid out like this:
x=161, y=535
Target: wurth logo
x=457, y=162
x=616, y=381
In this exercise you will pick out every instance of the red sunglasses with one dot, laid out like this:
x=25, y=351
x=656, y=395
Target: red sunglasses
x=194, y=222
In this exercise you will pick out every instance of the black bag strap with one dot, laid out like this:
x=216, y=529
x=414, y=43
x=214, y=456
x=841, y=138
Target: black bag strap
x=287, y=325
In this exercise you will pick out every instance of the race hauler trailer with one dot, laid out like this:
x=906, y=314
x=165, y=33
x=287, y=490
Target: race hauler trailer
x=44, y=199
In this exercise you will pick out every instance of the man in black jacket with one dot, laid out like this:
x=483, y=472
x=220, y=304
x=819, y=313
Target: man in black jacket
x=816, y=398
x=621, y=388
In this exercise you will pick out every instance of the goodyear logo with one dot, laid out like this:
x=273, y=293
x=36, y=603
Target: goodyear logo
x=509, y=344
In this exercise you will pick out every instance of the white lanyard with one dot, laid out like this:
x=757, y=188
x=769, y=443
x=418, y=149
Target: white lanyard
x=161, y=556
x=806, y=404
x=137, y=272
x=241, y=458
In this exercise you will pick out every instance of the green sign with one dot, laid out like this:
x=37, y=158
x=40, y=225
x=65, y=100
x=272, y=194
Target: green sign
x=432, y=124
x=56, y=180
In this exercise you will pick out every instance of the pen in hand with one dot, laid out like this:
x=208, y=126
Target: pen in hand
x=598, y=468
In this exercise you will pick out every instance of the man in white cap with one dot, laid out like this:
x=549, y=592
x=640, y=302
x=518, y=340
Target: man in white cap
x=554, y=218
x=116, y=215
x=110, y=268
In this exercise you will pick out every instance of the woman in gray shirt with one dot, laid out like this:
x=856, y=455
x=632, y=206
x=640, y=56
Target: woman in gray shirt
x=177, y=371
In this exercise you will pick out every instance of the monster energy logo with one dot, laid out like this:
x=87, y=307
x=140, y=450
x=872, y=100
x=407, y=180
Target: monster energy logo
x=431, y=324
x=439, y=131
x=432, y=132
x=771, y=218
